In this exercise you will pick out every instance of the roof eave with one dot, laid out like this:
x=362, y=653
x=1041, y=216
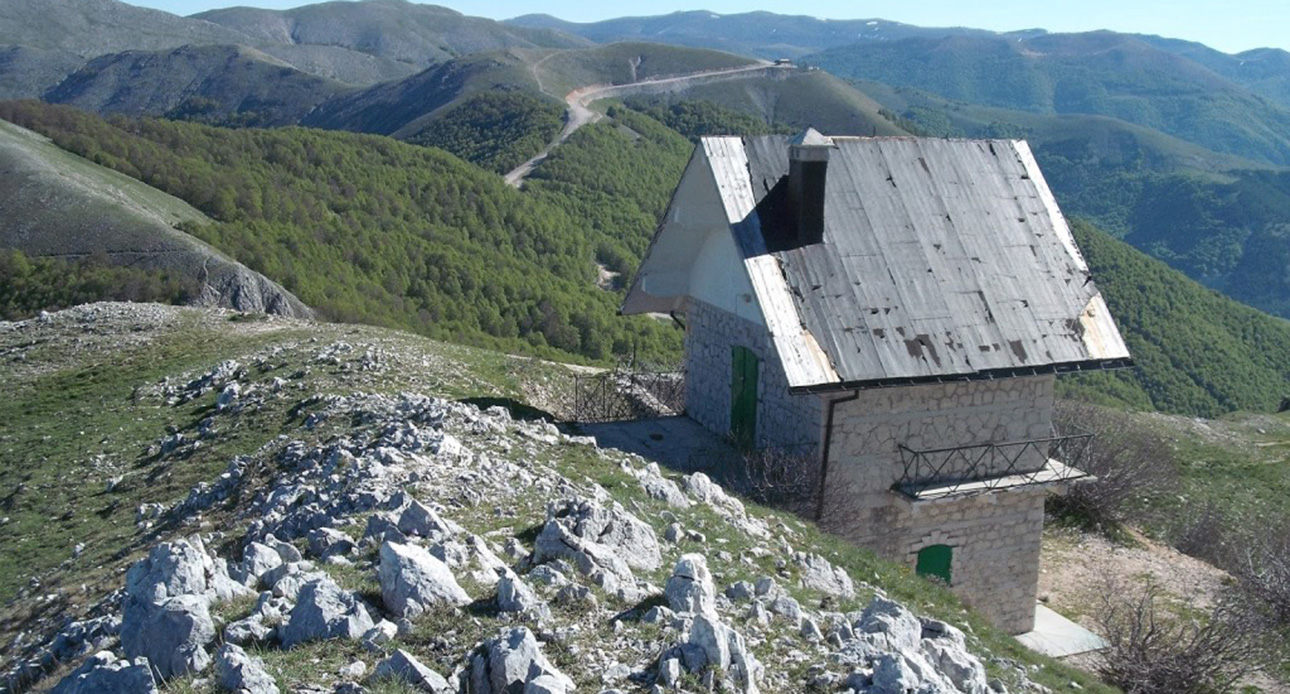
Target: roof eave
x=989, y=375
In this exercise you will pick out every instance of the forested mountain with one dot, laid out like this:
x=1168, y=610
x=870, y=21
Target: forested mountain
x=412, y=33
x=367, y=229
x=1196, y=351
x=358, y=43
x=371, y=230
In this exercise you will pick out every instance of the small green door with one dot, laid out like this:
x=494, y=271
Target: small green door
x=743, y=396
x=934, y=561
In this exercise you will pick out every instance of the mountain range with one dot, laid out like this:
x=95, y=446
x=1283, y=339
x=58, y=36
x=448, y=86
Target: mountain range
x=1177, y=149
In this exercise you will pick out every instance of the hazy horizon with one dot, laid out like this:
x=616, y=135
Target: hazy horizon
x=1231, y=27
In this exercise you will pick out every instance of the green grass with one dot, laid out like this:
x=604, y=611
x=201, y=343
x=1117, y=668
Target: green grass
x=79, y=410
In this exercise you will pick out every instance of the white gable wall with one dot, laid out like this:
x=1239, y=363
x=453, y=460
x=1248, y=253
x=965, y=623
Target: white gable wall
x=693, y=242
x=718, y=278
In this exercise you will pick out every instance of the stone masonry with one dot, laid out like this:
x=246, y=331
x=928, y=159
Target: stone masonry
x=710, y=337
x=994, y=537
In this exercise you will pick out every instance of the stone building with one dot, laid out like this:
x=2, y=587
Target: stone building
x=895, y=311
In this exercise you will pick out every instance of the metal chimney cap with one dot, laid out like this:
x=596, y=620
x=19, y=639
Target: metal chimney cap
x=811, y=138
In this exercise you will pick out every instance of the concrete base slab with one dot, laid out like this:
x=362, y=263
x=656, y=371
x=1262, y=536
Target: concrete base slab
x=1057, y=636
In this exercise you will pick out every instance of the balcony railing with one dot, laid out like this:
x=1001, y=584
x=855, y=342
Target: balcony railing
x=956, y=471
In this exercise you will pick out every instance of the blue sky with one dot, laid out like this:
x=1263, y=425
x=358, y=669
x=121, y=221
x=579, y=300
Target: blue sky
x=1231, y=25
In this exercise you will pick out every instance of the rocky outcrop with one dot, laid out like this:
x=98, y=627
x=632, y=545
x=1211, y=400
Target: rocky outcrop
x=404, y=667
x=242, y=673
x=501, y=566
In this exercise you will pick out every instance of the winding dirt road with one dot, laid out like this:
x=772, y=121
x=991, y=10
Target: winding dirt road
x=578, y=112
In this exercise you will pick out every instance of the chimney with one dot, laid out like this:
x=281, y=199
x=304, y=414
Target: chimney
x=808, y=163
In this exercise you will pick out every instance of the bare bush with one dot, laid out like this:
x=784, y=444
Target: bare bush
x=1153, y=649
x=1263, y=571
x=783, y=478
x=1130, y=462
x=1205, y=533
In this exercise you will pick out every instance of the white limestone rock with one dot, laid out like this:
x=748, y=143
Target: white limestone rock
x=171, y=568
x=172, y=635
x=104, y=673
x=239, y=672
x=421, y=520
x=513, y=595
x=511, y=662
x=610, y=526
x=412, y=580
x=890, y=626
x=819, y=574
x=259, y=559
x=725, y=648
x=690, y=589
x=403, y=667
x=325, y=611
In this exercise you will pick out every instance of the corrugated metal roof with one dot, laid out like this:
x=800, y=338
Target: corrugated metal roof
x=940, y=258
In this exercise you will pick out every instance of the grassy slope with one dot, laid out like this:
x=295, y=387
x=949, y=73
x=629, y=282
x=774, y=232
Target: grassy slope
x=107, y=385
x=25, y=149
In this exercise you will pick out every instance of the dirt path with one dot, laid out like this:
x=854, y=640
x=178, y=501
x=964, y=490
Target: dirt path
x=578, y=112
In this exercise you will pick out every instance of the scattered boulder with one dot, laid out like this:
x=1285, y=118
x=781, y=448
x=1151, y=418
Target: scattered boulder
x=171, y=568
x=421, y=520
x=172, y=635
x=103, y=673
x=412, y=580
x=242, y=673
x=511, y=663
x=325, y=611
x=402, y=666
x=690, y=589
x=725, y=648
x=819, y=574
x=328, y=542
x=258, y=559
x=513, y=595
x=612, y=527
x=890, y=626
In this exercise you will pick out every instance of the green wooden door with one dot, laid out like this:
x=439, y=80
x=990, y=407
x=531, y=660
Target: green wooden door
x=935, y=561
x=743, y=396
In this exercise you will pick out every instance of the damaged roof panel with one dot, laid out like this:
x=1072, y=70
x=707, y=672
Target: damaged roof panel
x=939, y=258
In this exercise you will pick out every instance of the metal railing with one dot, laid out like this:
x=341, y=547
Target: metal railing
x=955, y=470
x=623, y=394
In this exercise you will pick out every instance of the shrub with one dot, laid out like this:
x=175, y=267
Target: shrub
x=1130, y=463
x=1153, y=650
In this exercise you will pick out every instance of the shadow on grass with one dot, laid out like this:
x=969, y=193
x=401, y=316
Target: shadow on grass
x=517, y=409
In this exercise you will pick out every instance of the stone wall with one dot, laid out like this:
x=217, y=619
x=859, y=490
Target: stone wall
x=995, y=536
x=711, y=334
x=995, y=540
